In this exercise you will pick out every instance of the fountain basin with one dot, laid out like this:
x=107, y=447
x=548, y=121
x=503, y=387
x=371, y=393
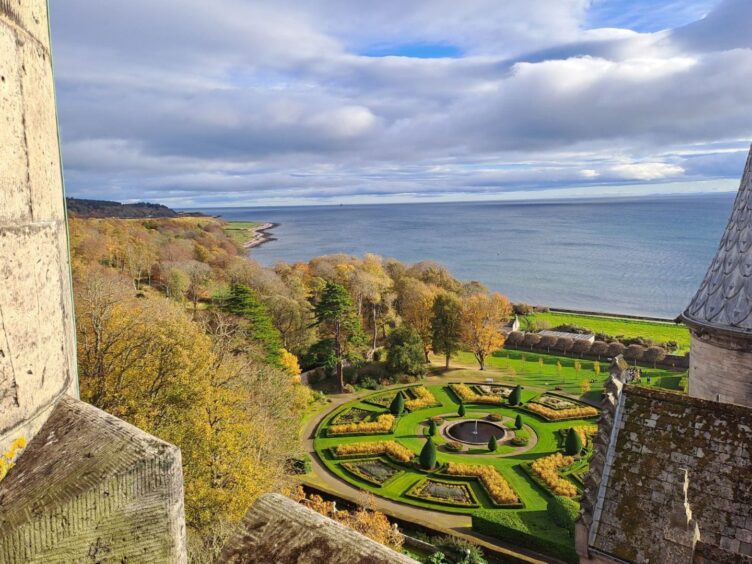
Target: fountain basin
x=465, y=431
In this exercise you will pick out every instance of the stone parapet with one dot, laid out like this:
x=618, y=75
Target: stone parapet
x=278, y=530
x=91, y=487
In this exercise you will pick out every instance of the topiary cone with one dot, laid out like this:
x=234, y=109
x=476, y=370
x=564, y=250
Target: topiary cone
x=518, y=422
x=432, y=428
x=492, y=444
x=428, y=455
x=461, y=410
x=516, y=396
x=573, y=444
x=398, y=405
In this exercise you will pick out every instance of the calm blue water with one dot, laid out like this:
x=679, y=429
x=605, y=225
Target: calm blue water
x=644, y=256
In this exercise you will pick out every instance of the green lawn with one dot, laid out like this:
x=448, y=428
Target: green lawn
x=410, y=433
x=540, y=370
x=616, y=326
x=240, y=231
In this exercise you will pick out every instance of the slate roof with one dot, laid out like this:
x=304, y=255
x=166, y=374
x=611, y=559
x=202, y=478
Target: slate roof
x=724, y=300
x=662, y=435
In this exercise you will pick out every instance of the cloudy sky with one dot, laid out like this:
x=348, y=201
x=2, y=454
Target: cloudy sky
x=256, y=102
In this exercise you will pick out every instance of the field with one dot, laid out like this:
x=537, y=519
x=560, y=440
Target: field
x=241, y=231
x=616, y=326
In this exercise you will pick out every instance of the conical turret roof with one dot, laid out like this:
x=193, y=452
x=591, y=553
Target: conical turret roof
x=724, y=300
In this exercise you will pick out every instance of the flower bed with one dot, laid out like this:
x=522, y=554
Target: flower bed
x=555, y=402
x=546, y=469
x=391, y=448
x=492, y=390
x=468, y=395
x=352, y=415
x=561, y=414
x=445, y=492
x=384, y=423
x=382, y=400
x=494, y=483
x=423, y=398
x=374, y=471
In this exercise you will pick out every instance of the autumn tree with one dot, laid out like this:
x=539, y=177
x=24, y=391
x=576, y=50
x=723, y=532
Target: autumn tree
x=581, y=346
x=615, y=349
x=598, y=348
x=516, y=338
x=655, y=354
x=336, y=318
x=532, y=339
x=634, y=353
x=564, y=344
x=548, y=341
x=483, y=317
x=446, y=326
x=415, y=305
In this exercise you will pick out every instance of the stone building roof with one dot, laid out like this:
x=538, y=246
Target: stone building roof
x=590, y=337
x=278, y=530
x=724, y=300
x=671, y=462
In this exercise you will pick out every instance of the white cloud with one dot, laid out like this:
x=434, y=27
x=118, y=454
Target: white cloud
x=646, y=171
x=240, y=99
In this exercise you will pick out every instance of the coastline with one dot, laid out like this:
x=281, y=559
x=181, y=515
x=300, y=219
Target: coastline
x=261, y=235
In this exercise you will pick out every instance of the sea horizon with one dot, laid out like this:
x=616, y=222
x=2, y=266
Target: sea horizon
x=628, y=255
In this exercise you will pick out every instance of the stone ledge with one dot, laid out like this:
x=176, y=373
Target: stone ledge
x=278, y=530
x=90, y=486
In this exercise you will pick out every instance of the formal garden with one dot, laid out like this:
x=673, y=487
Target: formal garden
x=514, y=459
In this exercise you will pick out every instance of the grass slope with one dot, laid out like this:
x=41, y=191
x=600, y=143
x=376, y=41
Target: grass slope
x=241, y=231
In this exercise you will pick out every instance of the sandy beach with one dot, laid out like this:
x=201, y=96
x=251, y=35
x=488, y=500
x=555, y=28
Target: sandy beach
x=261, y=235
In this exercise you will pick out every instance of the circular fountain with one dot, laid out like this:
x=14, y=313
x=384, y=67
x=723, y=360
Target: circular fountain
x=475, y=431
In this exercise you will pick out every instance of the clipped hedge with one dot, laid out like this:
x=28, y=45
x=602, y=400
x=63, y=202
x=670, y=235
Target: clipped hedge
x=564, y=512
x=509, y=526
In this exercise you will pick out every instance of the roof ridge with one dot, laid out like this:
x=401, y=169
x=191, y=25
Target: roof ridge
x=724, y=300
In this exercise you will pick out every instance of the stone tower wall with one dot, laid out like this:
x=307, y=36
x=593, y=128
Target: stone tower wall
x=37, y=348
x=720, y=367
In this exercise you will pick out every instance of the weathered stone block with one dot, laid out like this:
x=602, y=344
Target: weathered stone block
x=278, y=530
x=91, y=487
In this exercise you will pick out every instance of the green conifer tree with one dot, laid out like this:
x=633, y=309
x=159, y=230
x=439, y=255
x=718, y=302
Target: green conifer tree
x=432, y=429
x=516, y=396
x=397, y=406
x=518, y=422
x=428, y=455
x=573, y=444
x=492, y=444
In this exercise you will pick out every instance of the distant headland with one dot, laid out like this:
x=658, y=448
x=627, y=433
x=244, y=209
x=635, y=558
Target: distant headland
x=108, y=209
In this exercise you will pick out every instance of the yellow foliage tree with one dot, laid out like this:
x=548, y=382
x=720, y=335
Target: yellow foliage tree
x=483, y=316
x=416, y=308
x=289, y=362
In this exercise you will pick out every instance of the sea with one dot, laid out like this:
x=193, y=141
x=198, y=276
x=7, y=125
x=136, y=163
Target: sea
x=633, y=256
